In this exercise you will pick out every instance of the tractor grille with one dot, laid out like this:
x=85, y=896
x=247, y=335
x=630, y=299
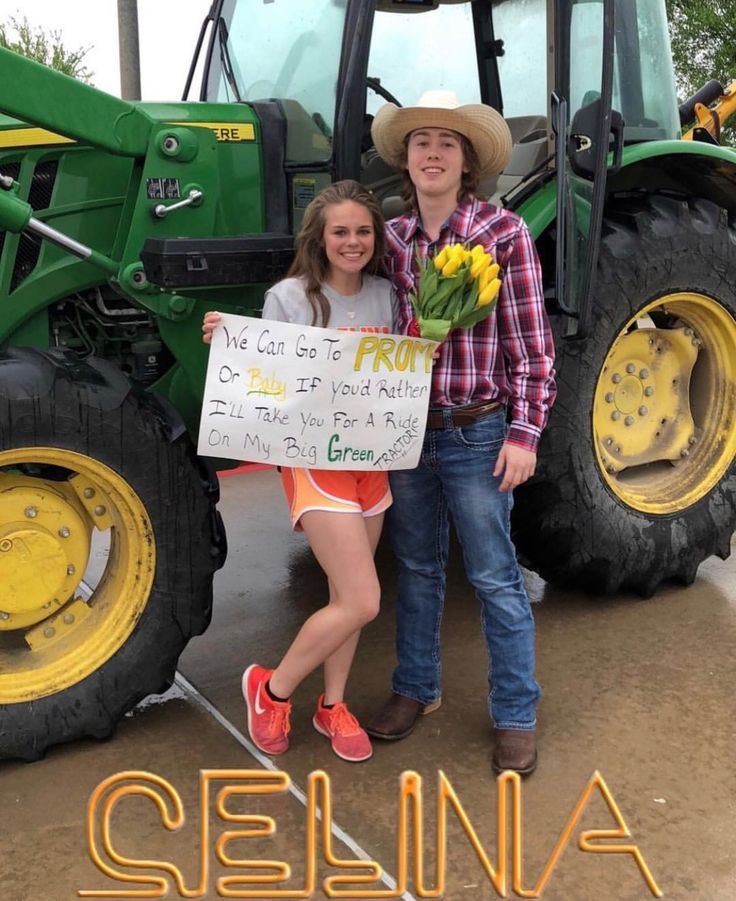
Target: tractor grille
x=42, y=185
x=39, y=197
x=29, y=249
x=13, y=171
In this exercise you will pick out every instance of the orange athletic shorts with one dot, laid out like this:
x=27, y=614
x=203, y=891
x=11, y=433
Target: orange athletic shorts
x=336, y=490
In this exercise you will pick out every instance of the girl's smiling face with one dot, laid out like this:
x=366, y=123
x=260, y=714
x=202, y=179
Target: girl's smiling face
x=348, y=237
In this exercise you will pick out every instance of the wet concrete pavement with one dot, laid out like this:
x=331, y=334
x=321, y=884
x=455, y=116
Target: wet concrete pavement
x=640, y=691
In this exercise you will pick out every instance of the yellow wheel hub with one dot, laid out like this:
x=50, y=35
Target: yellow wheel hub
x=44, y=546
x=664, y=410
x=59, y=620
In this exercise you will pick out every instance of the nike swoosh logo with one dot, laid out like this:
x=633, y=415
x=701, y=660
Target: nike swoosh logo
x=259, y=709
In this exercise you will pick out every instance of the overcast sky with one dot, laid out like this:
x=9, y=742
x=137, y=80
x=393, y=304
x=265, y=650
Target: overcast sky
x=168, y=34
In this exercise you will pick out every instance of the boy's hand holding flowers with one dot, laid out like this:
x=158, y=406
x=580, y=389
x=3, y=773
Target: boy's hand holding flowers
x=457, y=288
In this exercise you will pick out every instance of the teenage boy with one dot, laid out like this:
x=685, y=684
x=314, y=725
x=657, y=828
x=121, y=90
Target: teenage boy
x=492, y=387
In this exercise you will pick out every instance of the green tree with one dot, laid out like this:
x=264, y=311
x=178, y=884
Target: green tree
x=47, y=48
x=703, y=35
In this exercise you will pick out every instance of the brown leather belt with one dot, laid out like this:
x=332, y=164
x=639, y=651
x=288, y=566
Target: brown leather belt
x=460, y=416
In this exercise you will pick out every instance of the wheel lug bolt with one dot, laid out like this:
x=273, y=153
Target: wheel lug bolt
x=609, y=398
x=689, y=332
x=684, y=452
x=649, y=391
x=609, y=442
x=64, y=532
x=697, y=342
x=615, y=415
x=610, y=469
x=630, y=368
x=71, y=569
x=68, y=618
x=692, y=440
x=49, y=632
x=643, y=411
x=6, y=544
x=644, y=374
x=629, y=420
x=31, y=512
x=615, y=378
x=4, y=615
x=100, y=511
x=89, y=492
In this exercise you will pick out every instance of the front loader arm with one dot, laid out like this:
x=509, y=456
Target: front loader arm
x=707, y=117
x=41, y=96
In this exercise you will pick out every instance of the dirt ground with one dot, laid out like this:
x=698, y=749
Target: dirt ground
x=639, y=692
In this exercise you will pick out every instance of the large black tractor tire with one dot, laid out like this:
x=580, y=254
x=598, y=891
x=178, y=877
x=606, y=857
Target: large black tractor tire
x=636, y=478
x=109, y=539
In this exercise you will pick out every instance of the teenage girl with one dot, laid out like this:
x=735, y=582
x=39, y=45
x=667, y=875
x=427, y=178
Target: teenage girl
x=332, y=282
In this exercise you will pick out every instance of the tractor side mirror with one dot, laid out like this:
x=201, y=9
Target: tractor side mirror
x=581, y=141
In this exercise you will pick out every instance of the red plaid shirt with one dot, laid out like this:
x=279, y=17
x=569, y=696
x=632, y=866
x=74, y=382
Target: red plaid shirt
x=509, y=355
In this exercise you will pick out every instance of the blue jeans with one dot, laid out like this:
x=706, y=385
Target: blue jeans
x=455, y=474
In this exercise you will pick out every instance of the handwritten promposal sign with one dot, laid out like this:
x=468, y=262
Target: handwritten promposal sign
x=294, y=395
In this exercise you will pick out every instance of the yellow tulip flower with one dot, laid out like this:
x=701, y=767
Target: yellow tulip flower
x=441, y=259
x=451, y=268
x=487, y=276
x=489, y=292
x=480, y=263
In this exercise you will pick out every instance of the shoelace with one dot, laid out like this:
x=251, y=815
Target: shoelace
x=343, y=721
x=278, y=724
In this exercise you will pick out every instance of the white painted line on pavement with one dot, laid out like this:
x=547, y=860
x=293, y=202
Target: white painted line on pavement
x=268, y=764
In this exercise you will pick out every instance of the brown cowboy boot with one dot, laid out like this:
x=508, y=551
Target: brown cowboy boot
x=396, y=718
x=516, y=749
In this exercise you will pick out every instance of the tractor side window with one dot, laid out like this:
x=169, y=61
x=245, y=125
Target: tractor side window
x=586, y=66
x=288, y=52
x=643, y=79
x=414, y=52
x=522, y=69
x=644, y=63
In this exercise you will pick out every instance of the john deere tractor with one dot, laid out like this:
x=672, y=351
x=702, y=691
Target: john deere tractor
x=122, y=223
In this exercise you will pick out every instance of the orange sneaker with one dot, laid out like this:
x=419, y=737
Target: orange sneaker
x=268, y=720
x=348, y=739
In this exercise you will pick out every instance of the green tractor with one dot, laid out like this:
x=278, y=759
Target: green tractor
x=122, y=223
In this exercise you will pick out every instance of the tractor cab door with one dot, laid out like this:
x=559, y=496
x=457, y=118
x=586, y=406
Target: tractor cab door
x=585, y=126
x=484, y=51
x=613, y=85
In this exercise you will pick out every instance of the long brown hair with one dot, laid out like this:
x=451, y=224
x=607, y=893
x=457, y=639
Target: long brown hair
x=311, y=263
x=468, y=183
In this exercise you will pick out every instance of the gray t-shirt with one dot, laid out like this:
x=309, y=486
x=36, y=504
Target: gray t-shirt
x=372, y=309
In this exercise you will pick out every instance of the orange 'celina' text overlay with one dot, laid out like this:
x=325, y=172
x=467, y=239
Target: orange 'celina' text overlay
x=108, y=793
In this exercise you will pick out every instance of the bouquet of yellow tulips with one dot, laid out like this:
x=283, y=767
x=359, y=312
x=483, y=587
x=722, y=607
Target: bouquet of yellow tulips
x=457, y=288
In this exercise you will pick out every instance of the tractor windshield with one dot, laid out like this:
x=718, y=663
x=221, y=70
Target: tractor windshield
x=286, y=51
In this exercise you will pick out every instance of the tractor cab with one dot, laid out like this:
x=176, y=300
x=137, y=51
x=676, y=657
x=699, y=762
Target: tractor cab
x=319, y=71
x=327, y=66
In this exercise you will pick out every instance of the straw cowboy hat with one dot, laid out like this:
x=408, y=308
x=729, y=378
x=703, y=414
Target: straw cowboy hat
x=485, y=128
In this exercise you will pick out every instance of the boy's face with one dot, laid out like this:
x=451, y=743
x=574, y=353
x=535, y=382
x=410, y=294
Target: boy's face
x=435, y=162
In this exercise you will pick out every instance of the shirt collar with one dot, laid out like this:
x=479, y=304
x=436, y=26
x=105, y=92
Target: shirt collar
x=458, y=223
x=461, y=220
